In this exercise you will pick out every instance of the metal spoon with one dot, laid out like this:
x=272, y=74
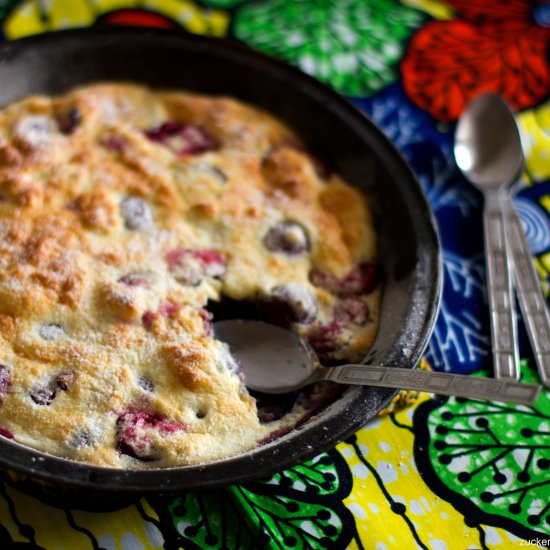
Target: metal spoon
x=531, y=299
x=532, y=302
x=275, y=360
x=507, y=161
x=488, y=152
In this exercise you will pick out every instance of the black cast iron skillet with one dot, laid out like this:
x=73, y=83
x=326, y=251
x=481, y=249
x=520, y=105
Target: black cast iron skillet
x=409, y=246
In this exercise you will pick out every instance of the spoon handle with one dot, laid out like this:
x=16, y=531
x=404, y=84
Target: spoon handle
x=441, y=383
x=500, y=288
x=531, y=299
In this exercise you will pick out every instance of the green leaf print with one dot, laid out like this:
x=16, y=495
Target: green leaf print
x=495, y=455
x=222, y=3
x=353, y=46
x=287, y=523
x=209, y=520
x=315, y=477
x=301, y=508
x=6, y=6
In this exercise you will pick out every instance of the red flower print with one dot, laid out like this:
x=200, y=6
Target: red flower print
x=492, y=46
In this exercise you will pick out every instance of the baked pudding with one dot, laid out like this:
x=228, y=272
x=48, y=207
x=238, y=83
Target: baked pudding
x=131, y=220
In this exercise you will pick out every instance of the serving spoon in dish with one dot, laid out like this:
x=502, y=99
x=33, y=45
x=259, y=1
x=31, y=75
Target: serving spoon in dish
x=488, y=150
x=275, y=360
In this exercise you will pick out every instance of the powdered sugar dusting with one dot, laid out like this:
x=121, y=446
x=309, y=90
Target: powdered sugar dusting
x=51, y=332
x=36, y=130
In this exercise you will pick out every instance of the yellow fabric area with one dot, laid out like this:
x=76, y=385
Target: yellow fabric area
x=438, y=10
x=27, y=18
x=386, y=444
x=535, y=134
x=53, y=529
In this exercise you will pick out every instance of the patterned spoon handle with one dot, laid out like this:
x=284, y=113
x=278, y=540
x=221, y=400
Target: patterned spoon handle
x=500, y=288
x=531, y=300
x=441, y=383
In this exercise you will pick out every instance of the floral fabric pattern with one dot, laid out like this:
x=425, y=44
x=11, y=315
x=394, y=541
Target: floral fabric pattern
x=490, y=46
x=353, y=46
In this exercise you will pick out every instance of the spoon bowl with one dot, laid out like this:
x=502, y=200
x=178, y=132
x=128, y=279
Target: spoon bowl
x=487, y=143
x=273, y=359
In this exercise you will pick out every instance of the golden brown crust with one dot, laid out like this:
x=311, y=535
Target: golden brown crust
x=122, y=213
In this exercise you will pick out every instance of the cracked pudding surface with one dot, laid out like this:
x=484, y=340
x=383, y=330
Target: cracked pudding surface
x=127, y=217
